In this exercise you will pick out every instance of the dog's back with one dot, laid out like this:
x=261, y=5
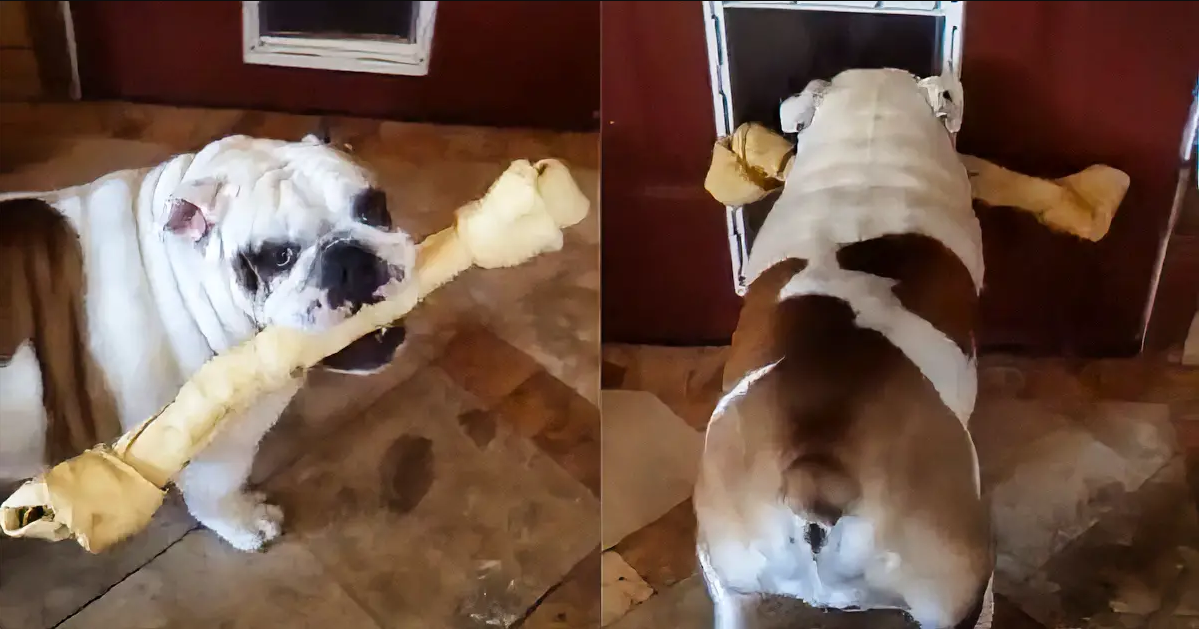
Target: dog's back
x=845, y=447
x=838, y=468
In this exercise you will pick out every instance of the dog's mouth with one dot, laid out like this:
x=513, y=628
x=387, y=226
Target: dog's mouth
x=369, y=353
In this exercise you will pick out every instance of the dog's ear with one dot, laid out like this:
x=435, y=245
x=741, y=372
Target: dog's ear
x=193, y=209
x=320, y=135
x=945, y=96
x=796, y=112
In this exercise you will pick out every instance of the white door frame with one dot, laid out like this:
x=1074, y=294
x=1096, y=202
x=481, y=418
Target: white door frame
x=350, y=55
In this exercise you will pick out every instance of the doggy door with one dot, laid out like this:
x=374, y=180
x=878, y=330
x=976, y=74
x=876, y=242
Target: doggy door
x=378, y=37
x=759, y=53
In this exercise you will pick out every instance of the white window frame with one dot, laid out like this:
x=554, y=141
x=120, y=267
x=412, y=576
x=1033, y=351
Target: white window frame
x=722, y=99
x=349, y=55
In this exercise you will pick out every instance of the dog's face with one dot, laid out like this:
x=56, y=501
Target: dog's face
x=300, y=234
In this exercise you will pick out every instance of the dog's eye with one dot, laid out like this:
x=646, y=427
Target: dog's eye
x=370, y=208
x=284, y=257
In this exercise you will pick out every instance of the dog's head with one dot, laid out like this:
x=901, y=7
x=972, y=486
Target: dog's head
x=943, y=93
x=299, y=232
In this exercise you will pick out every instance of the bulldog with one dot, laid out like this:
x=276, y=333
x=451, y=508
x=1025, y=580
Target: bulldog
x=838, y=467
x=115, y=292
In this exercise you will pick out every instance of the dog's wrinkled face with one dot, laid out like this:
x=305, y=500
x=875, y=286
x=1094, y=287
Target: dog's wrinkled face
x=301, y=233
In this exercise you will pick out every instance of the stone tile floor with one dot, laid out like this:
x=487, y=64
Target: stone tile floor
x=457, y=489
x=1092, y=469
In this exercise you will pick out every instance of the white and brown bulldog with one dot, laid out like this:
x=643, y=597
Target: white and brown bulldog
x=838, y=468
x=113, y=293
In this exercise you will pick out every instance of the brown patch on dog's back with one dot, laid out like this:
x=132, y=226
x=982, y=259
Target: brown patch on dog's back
x=828, y=365
x=407, y=473
x=931, y=281
x=754, y=341
x=42, y=287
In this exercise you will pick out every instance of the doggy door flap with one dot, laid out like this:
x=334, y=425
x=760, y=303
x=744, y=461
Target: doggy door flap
x=367, y=20
x=759, y=53
x=374, y=37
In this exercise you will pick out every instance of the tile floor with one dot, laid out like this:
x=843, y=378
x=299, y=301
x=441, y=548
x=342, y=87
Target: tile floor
x=457, y=489
x=1092, y=469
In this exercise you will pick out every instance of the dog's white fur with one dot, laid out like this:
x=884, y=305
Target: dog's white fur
x=160, y=303
x=839, y=191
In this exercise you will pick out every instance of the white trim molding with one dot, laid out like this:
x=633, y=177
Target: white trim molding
x=349, y=55
x=68, y=21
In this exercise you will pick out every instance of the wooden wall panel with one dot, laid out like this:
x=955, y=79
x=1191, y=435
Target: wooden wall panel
x=19, y=79
x=531, y=64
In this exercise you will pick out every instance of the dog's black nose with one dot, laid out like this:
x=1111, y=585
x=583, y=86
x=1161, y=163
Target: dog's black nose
x=351, y=273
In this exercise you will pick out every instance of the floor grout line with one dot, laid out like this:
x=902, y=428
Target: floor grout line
x=553, y=588
x=189, y=531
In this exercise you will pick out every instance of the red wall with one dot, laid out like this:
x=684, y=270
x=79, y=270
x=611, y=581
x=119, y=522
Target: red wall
x=1051, y=87
x=665, y=267
x=533, y=64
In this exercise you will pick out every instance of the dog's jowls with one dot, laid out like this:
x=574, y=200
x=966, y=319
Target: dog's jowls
x=116, y=291
x=837, y=468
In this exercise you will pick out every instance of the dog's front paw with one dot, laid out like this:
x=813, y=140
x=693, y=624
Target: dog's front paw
x=245, y=520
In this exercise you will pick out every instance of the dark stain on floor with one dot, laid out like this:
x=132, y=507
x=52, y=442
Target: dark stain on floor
x=407, y=473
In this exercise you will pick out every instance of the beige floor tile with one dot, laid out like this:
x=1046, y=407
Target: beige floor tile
x=687, y=379
x=622, y=588
x=201, y=583
x=562, y=423
x=327, y=402
x=41, y=584
x=575, y=603
x=39, y=120
x=187, y=129
x=1138, y=566
x=548, y=307
x=650, y=458
x=552, y=313
x=426, y=527
x=485, y=365
x=75, y=161
x=1054, y=494
x=1139, y=431
x=663, y=552
x=275, y=125
x=1052, y=470
x=685, y=605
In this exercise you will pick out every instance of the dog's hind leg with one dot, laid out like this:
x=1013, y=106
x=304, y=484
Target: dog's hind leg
x=731, y=610
x=213, y=484
x=23, y=422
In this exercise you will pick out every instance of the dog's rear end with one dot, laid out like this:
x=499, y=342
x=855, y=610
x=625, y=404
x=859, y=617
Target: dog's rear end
x=834, y=470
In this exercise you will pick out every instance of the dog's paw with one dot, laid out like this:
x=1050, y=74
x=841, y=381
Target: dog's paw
x=246, y=521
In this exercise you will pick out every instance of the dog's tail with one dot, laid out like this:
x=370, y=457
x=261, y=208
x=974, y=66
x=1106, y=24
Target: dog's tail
x=818, y=487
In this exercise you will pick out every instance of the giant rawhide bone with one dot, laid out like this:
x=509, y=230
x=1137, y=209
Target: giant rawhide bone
x=1081, y=204
x=108, y=493
x=753, y=162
